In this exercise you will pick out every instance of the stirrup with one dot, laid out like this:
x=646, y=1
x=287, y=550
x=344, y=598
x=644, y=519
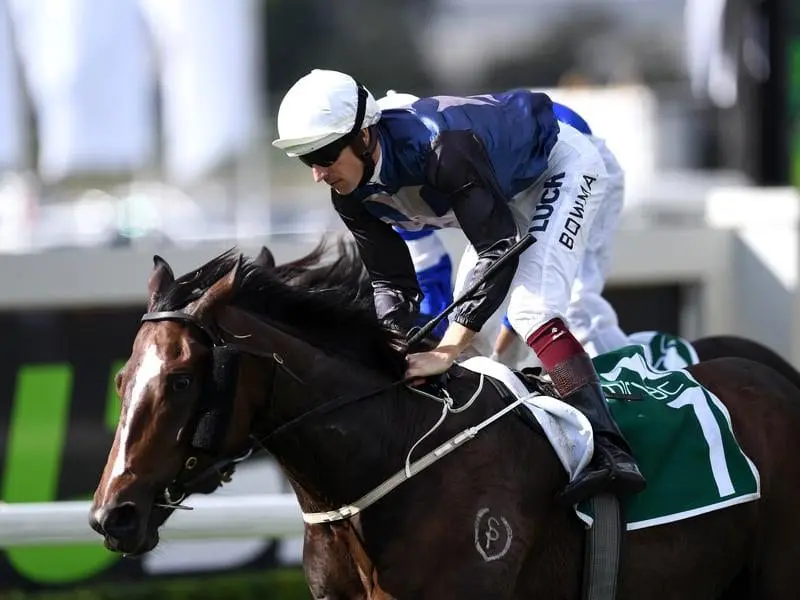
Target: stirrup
x=602, y=479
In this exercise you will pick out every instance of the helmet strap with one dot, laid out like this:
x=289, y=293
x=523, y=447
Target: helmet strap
x=365, y=153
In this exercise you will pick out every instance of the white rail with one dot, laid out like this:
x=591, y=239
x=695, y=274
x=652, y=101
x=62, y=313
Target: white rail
x=251, y=516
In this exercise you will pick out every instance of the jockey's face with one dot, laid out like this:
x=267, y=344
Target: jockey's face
x=344, y=174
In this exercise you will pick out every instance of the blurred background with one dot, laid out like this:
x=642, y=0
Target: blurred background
x=138, y=126
x=149, y=122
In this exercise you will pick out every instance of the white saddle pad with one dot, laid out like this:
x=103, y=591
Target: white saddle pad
x=566, y=427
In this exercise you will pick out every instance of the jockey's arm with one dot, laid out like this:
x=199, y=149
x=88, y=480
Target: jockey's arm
x=386, y=257
x=461, y=167
x=455, y=339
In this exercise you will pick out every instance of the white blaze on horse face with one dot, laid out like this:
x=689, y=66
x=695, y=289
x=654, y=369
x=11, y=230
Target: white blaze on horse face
x=149, y=368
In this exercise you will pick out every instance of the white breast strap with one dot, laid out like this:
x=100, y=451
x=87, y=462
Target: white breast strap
x=411, y=469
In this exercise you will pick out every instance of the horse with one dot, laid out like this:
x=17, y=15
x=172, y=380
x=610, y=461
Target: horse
x=229, y=358
x=720, y=346
x=333, y=568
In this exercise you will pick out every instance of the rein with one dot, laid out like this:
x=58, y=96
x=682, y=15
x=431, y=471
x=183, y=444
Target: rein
x=215, y=412
x=414, y=468
x=224, y=467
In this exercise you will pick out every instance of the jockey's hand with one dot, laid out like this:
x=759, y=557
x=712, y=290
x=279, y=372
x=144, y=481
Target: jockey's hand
x=437, y=361
x=426, y=364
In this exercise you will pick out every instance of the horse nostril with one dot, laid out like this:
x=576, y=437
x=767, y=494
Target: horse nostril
x=121, y=521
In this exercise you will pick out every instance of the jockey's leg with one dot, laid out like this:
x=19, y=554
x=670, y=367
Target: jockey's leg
x=612, y=468
x=574, y=189
x=591, y=317
x=519, y=355
x=593, y=322
x=504, y=341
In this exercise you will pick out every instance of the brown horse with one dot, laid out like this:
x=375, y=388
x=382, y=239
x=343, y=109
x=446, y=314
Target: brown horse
x=329, y=567
x=229, y=354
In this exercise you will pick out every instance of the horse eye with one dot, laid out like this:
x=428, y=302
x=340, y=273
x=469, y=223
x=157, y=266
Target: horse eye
x=181, y=383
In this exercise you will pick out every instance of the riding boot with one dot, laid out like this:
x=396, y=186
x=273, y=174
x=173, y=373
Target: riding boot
x=612, y=468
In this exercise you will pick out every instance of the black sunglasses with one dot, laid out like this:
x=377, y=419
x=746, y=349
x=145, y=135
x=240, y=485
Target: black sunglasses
x=329, y=154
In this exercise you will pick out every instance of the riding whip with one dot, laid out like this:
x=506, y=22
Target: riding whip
x=418, y=334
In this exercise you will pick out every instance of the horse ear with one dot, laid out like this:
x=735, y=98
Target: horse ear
x=161, y=277
x=265, y=258
x=221, y=292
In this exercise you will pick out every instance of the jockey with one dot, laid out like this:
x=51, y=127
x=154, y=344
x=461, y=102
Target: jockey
x=431, y=261
x=434, y=274
x=592, y=319
x=496, y=166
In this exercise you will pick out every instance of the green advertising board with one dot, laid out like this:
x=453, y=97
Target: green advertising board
x=793, y=87
x=37, y=436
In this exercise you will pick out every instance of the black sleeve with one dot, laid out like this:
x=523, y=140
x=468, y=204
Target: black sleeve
x=385, y=255
x=459, y=166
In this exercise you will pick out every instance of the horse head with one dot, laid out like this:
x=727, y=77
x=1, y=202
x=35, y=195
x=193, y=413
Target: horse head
x=171, y=389
x=206, y=371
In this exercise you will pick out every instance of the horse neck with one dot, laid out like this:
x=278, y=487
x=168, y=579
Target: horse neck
x=334, y=455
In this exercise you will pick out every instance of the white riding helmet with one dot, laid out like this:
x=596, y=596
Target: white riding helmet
x=320, y=108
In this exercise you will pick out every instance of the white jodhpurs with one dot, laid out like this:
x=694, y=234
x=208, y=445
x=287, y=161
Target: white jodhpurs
x=572, y=210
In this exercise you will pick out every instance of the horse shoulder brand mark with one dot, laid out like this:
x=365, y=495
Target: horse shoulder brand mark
x=575, y=216
x=493, y=535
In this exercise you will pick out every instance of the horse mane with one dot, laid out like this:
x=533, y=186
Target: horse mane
x=345, y=270
x=324, y=303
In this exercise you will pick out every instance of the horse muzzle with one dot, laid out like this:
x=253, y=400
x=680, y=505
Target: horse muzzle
x=124, y=527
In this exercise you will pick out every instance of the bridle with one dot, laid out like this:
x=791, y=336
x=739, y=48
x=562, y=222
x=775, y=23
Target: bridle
x=209, y=424
x=216, y=406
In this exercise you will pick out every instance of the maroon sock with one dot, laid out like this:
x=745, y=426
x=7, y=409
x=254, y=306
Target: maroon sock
x=554, y=343
x=562, y=356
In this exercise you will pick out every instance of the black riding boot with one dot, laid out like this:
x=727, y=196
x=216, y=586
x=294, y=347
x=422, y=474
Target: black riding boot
x=612, y=468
